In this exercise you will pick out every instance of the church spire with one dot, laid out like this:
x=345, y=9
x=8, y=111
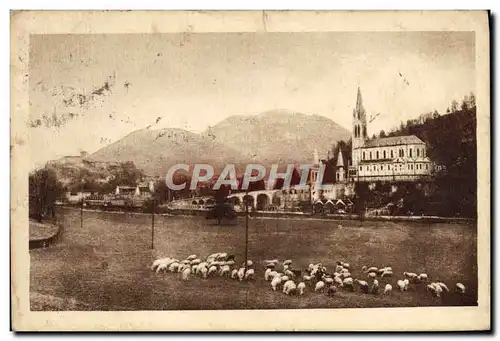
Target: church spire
x=340, y=159
x=359, y=104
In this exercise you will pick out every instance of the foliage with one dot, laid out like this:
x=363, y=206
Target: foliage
x=222, y=208
x=451, y=145
x=44, y=190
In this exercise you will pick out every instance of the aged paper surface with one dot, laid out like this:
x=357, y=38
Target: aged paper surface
x=67, y=66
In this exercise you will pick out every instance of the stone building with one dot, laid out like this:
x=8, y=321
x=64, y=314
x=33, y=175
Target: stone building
x=398, y=158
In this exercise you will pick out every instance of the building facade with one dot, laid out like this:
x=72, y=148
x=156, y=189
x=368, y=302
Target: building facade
x=398, y=158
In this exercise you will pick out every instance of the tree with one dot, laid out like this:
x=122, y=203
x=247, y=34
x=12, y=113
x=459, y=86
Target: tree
x=44, y=190
x=454, y=106
x=435, y=114
x=222, y=208
x=472, y=100
x=382, y=134
x=161, y=192
x=465, y=104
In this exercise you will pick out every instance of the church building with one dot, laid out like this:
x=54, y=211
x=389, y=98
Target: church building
x=398, y=158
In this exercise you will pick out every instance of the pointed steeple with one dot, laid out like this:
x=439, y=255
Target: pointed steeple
x=359, y=104
x=340, y=159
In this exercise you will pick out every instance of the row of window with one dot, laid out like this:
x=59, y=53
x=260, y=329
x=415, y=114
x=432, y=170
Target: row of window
x=384, y=155
x=409, y=166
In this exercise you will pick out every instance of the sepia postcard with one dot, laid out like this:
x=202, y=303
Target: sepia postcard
x=250, y=170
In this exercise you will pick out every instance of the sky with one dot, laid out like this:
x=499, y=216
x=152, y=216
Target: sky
x=194, y=80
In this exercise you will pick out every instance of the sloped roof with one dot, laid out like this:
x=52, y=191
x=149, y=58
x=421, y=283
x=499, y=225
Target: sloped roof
x=393, y=141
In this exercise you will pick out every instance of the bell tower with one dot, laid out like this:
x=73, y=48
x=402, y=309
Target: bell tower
x=359, y=134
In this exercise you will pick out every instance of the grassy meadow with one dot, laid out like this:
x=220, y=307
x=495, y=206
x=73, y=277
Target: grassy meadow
x=106, y=264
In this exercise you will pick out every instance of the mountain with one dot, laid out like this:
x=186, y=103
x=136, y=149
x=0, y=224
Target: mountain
x=155, y=151
x=271, y=137
x=279, y=136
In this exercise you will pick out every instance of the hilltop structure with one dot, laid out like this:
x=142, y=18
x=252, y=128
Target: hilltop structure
x=394, y=159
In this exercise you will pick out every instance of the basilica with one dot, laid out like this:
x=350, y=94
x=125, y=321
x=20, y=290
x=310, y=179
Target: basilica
x=395, y=159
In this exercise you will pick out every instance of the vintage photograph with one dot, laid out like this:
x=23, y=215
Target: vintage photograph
x=254, y=170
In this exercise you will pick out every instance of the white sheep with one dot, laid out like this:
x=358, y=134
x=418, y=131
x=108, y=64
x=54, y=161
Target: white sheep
x=328, y=280
x=370, y=269
x=423, y=277
x=181, y=267
x=435, y=288
x=460, y=288
x=285, y=278
x=229, y=262
x=241, y=274
x=234, y=274
x=267, y=274
x=287, y=284
x=225, y=271
x=204, y=271
x=346, y=274
x=372, y=275
x=275, y=282
x=157, y=262
x=363, y=285
x=173, y=267
x=307, y=278
x=191, y=257
x=196, y=261
x=185, y=274
x=410, y=275
x=249, y=275
x=431, y=288
x=402, y=285
x=212, y=270
x=339, y=268
x=386, y=273
x=338, y=281
x=292, y=288
x=194, y=269
x=443, y=286
x=273, y=274
x=289, y=273
x=301, y=286
x=349, y=283
x=388, y=289
x=287, y=262
x=161, y=267
x=249, y=263
x=320, y=285
x=286, y=267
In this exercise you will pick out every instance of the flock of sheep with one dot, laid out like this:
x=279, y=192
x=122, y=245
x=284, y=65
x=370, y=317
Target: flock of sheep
x=283, y=276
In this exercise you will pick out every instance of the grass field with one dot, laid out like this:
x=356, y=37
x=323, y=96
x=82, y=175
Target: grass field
x=106, y=265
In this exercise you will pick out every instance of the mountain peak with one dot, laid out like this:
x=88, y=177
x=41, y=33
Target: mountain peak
x=275, y=136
